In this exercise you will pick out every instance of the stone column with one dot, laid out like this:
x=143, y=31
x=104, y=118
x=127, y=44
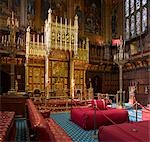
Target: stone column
x=47, y=81
x=27, y=59
x=72, y=81
x=84, y=86
x=12, y=74
x=120, y=85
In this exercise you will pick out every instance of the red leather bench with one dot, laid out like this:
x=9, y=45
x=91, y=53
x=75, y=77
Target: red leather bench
x=84, y=117
x=126, y=132
x=7, y=126
x=45, y=129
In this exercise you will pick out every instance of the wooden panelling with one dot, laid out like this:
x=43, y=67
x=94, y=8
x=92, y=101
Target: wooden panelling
x=13, y=103
x=140, y=78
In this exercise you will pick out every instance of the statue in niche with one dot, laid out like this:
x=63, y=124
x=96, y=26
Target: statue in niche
x=90, y=20
x=114, y=23
x=58, y=8
x=78, y=12
x=17, y=3
x=16, y=85
x=90, y=90
x=45, y=7
x=30, y=8
x=132, y=92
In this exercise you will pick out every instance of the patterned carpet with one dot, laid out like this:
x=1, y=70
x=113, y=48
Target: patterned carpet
x=21, y=130
x=80, y=135
x=74, y=131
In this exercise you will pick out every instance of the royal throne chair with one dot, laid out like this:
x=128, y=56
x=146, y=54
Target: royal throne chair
x=37, y=96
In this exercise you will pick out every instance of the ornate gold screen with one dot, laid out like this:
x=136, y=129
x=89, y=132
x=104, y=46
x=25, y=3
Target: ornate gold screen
x=54, y=62
x=59, y=77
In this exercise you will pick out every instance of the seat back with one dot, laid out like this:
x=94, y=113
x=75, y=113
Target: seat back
x=38, y=123
x=37, y=92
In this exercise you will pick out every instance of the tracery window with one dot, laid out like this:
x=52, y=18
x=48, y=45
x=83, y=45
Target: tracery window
x=127, y=29
x=144, y=2
x=136, y=18
x=144, y=19
x=127, y=8
x=132, y=25
x=138, y=23
x=132, y=6
x=138, y=4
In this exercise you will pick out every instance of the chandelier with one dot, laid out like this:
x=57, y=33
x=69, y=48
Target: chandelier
x=13, y=43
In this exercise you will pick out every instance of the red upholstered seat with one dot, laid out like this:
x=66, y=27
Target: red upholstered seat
x=7, y=126
x=100, y=104
x=38, y=123
x=127, y=132
x=46, y=129
x=84, y=117
x=59, y=134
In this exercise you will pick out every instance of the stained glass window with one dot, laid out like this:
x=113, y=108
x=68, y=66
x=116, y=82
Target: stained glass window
x=127, y=8
x=132, y=6
x=132, y=25
x=138, y=23
x=127, y=29
x=144, y=19
x=137, y=4
x=144, y=2
x=136, y=17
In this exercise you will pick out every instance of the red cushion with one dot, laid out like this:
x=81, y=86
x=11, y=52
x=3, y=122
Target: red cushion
x=100, y=104
x=94, y=103
x=126, y=132
x=84, y=117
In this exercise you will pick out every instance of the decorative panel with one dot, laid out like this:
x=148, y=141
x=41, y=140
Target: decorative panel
x=79, y=79
x=58, y=76
x=59, y=54
x=36, y=76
